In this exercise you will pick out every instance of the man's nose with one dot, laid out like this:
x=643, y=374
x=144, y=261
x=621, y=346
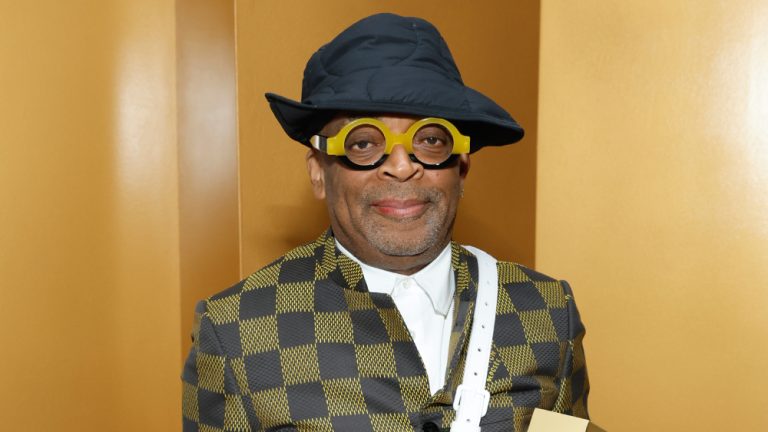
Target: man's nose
x=399, y=166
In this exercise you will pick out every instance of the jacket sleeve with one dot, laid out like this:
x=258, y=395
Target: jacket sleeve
x=574, y=383
x=210, y=397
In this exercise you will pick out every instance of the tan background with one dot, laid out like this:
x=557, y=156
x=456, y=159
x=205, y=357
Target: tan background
x=653, y=202
x=124, y=198
x=89, y=225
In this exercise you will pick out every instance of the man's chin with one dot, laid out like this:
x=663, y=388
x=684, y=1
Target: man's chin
x=403, y=236
x=401, y=244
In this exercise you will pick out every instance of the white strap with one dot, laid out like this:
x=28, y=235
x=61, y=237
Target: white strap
x=471, y=400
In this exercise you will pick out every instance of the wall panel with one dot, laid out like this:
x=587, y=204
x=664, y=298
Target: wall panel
x=209, y=240
x=652, y=201
x=88, y=227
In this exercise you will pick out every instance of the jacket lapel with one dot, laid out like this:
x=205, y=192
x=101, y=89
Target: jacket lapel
x=464, y=266
x=336, y=266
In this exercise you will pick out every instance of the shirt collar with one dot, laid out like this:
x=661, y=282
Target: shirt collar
x=436, y=279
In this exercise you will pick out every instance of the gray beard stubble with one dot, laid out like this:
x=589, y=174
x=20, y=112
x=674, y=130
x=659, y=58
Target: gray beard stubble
x=436, y=221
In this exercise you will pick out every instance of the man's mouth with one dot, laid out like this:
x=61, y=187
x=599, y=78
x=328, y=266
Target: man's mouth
x=400, y=209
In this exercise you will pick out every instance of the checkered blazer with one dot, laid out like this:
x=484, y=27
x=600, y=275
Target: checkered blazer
x=301, y=345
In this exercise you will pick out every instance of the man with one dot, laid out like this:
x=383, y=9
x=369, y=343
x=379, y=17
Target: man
x=368, y=327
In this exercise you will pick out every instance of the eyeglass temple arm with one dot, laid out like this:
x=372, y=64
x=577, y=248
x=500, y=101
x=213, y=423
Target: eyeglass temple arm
x=319, y=142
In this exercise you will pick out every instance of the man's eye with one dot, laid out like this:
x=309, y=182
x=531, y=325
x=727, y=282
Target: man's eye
x=433, y=141
x=361, y=145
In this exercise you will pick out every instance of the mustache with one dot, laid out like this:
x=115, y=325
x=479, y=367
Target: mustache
x=402, y=192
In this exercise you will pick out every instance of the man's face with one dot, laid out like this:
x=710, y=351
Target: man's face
x=398, y=216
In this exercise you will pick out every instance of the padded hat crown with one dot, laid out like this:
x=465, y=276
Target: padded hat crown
x=386, y=63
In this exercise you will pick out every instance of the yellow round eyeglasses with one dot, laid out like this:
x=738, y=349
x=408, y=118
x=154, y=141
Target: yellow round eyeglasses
x=365, y=143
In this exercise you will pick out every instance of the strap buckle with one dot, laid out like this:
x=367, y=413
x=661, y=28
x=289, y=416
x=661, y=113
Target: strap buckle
x=471, y=399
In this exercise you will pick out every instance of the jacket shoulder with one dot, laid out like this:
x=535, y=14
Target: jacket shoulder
x=512, y=272
x=258, y=290
x=528, y=293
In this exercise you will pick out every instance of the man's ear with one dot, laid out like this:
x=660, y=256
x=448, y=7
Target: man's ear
x=316, y=171
x=463, y=166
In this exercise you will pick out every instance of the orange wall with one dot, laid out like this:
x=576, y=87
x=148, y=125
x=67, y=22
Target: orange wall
x=652, y=201
x=209, y=240
x=89, y=296
x=118, y=178
x=496, y=48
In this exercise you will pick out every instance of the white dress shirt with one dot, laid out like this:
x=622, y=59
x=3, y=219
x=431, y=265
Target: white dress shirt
x=425, y=301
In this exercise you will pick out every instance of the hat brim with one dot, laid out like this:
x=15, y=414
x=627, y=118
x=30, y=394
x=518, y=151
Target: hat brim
x=301, y=120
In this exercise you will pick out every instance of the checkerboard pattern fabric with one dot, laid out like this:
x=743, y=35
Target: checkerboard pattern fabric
x=302, y=345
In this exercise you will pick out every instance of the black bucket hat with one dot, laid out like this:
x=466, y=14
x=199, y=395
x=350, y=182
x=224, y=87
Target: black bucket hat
x=386, y=63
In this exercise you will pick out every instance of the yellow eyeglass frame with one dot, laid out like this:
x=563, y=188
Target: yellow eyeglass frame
x=334, y=145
